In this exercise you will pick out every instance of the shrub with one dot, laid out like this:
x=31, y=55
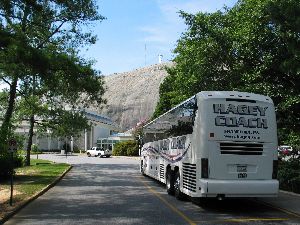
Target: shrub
x=295, y=184
x=35, y=149
x=126, y=148
x=120, y=149
x=5, y=163
x=133, y=150
x=289, y=175
x=76, y=150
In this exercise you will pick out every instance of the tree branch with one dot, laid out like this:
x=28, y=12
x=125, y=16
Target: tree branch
x=51, y=35
x=6, y=81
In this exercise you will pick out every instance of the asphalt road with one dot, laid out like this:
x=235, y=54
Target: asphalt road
x=111, y=191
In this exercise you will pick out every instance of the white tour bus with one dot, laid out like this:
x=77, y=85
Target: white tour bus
x=214, y=144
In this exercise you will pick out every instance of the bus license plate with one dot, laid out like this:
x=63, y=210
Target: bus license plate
x=242, y=175
x=241, y=168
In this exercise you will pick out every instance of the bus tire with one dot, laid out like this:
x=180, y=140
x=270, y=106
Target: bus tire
x=142, y=168
x=178, y=194
x=170, y=182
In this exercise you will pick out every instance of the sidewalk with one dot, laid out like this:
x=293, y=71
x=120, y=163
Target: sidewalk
x=286, y=201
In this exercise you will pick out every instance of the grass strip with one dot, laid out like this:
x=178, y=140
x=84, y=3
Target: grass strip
x=29, y=181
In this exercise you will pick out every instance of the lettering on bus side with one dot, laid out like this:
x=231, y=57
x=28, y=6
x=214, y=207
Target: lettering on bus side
x=229, y=116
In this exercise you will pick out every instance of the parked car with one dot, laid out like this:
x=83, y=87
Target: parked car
x=285, y=149
x=97, y=151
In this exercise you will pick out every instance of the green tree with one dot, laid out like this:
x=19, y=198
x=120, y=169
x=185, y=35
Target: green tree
x=44, y=103
x=39, y=56
x=253, y=47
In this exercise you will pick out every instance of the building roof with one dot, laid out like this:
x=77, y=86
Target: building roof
x=97, y=117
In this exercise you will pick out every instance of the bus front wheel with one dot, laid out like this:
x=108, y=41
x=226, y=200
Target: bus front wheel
x=178, y=194
x=170, y=182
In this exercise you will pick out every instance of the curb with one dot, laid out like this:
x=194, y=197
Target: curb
x=26, y=202
x=289, y=193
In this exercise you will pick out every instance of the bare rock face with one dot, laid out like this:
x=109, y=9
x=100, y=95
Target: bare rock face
x=132, y=96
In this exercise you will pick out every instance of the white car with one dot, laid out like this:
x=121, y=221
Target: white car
x=97, y=151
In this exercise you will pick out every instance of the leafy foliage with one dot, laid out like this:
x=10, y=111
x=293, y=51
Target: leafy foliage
x=35, y=149
x=39, y=45
x=5, y=163
x=252, y=47
x=289, y=175
x=39, y=61
x=126, y=148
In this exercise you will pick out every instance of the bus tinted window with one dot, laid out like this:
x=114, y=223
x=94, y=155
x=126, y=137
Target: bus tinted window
x=164, y=145
x=177, y=122
x=181, y=142
x=174, y=143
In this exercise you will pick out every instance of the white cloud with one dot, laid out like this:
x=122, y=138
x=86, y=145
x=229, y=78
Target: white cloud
x=155, y=34
x=164, y=33
x=171, y=7
x=171, y=25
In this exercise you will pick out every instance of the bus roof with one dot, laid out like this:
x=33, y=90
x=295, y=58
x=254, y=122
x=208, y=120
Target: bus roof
x=220, y=94
x=234, y=94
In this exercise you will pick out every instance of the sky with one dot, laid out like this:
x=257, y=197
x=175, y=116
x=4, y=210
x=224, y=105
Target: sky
x=135, y=32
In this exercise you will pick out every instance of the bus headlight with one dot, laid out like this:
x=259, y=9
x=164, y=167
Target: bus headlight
x=204, y=168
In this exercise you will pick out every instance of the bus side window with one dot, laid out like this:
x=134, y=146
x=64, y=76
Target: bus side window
x=165, y=145
x=181, y=142
x=161, y=145
x=174, y=143
x=156, y=145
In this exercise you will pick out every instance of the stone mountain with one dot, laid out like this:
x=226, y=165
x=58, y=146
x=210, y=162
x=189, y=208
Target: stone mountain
x=132, y=96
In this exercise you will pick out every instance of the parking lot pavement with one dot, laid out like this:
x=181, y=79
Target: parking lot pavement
x=76, y=159
x=97, y=191
x=286, y=201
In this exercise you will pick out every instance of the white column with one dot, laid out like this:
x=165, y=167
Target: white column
x=92, y=136
x=49, y=140
x=85, y=139
x=72, y=144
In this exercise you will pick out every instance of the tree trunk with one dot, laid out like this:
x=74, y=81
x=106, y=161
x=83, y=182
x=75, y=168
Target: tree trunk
x=8, y=114
x=29, y=144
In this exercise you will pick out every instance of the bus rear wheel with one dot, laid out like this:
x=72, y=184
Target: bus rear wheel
x=178, y=194
x=170, y=182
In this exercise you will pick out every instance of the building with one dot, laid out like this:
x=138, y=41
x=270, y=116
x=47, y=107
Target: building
x=102, y=128
x=109, y=142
